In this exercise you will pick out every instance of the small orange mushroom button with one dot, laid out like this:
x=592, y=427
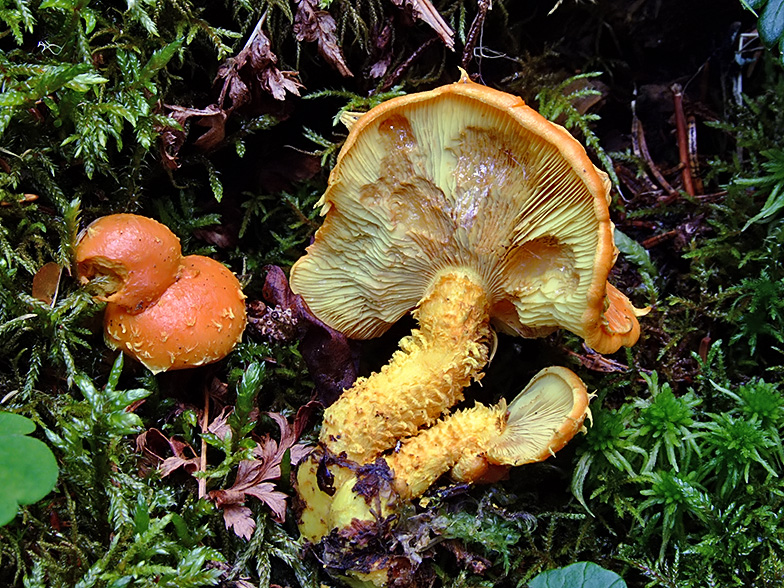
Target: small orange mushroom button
x=128, y=259
x=197, y=320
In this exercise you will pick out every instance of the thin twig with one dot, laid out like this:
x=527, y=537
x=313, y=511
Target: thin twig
x=473, y=32
x=393, y=78
x=205, y=421
x=657, y=239
x=683, y=138
x=640, y=147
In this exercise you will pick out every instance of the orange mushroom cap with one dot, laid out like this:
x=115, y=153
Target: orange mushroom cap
x=131, y=259
x=542, y=419
x=197, y=320
x=464, y=177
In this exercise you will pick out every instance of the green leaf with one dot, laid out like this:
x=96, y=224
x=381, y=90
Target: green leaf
x=771, y=22
x=578, y=575
x=85, y=81
x=12, y=98
x=159, y=59
x=28, y=469
x=61, y=4
x=635, y=252
x=773, y=204
x=753, y=5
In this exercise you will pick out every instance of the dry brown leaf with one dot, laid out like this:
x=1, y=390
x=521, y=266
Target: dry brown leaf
x=220, y=424
x=312, y=24
x=46, y=282
x=383, y=46
x=255, y=62
x=154, y=443
x=255, y=66
x=240, y=519
x=254, y=476
x=426, y=12
x=212, y=117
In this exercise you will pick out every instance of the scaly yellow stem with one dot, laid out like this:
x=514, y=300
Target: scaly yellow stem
x=460, y=441
x=425, y=376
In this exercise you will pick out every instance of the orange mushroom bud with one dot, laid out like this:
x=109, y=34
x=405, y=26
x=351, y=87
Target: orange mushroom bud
x=197, y=320
x=128, y=259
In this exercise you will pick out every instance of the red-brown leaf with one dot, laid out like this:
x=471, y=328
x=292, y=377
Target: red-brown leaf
x=240, y=519
x=172, y=139
x=254, y=475
x=312, y=24
x=154, y=444
x=426, y=12
x=46, y=282
x=220, y=424
x=255, y=61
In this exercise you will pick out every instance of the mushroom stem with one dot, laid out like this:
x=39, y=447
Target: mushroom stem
x=476, y=444
x=425, y=376
x=458, y=441
x=539, y=422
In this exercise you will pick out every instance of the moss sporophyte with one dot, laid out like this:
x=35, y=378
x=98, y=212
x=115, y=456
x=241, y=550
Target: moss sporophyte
x=468, y=207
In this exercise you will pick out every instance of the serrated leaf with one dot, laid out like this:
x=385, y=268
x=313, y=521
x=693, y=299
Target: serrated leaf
x=578, y=575
x=28, y=468
x=215, y=183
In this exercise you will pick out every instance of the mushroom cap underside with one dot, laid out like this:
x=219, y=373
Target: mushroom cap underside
x=130, y=259
x=542, y=418
x=197, y=320
x=462, y=177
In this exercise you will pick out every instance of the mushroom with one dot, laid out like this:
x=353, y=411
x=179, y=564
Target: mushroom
x=197, y=320
x=467, y=206
x=128, y=259
x=470, y=444
x=541, y=420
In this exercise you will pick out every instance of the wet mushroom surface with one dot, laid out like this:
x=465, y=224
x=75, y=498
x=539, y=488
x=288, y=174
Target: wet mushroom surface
x=467, y=207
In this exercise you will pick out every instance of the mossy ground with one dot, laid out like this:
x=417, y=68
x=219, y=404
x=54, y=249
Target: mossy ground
x=114, y=107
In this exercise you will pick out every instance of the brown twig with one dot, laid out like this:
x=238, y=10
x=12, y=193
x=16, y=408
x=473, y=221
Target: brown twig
x=640, y=147
x=205, y=421
x=683, y=138
x=392, y=78
x=474, y=32
x=657, y=239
